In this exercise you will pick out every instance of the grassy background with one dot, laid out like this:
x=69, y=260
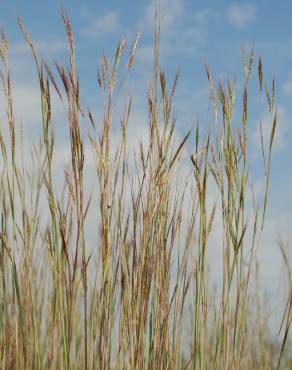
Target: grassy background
x=140, y=295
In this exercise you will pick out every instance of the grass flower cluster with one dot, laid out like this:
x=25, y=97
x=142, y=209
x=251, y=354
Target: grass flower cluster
x=140, y=296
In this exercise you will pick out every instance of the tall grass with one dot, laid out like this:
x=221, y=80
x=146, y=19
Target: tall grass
x=140, y=297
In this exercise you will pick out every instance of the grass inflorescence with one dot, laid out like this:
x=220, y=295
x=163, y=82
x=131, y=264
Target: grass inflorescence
x=140, y=295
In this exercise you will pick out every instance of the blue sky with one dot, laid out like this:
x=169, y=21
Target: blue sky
x=193, y=32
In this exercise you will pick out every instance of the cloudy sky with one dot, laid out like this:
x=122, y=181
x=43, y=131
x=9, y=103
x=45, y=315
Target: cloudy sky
x=193, y=32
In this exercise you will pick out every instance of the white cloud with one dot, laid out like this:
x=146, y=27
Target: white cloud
x=175, y=16
x=50, y=48
x=287, y=85
x=22, y=65
x=27, y=104
x=241, y=15
x=204, y=16
x=182, y=32
x=106, y=24
x=170, y=10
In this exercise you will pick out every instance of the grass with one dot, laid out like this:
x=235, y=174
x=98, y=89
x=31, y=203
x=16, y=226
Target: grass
x=140, y=297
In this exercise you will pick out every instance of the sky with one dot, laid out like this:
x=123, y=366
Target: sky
x=192, y=33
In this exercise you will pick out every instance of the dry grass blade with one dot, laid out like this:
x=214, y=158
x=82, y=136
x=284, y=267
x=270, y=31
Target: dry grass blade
x=179, y=150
